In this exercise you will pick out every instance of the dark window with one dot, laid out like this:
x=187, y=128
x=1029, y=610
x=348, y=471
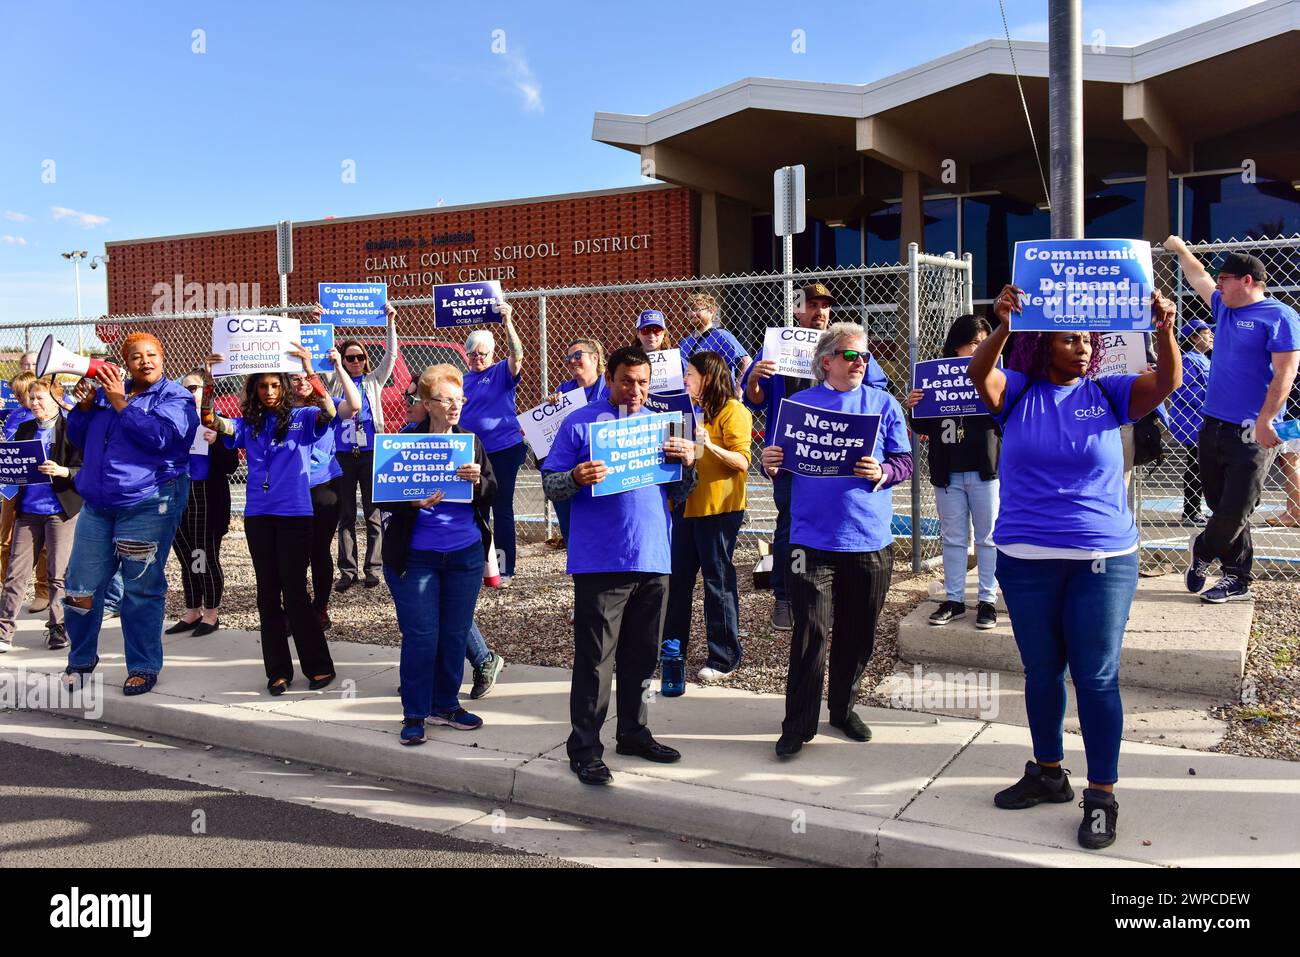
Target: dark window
x=940, y=226
x=1220, y=208
x=991, y=226
x=1116, y=212
x=766, y=258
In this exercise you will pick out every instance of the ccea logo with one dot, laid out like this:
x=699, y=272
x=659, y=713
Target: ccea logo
x=1095, y=412
x=548, y=410
x=75, y=909
x=1245, y=323
x=260, y=324
x=799, y=334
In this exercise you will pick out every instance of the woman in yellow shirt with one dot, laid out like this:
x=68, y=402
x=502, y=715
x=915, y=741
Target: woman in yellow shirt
x=705, y=530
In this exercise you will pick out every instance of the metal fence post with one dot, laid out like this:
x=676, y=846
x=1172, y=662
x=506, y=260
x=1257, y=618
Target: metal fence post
x=968, y=300
x=913, y=353
x=544, y=375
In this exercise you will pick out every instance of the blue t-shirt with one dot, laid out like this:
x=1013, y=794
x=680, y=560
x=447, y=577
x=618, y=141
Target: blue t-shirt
x=843, y=514
x=360, y=426
x=595, y=392
x=1188, y=400
x=278, y=471
x=628, y=532
x=447, y=527
x=489, y=410
x=16, y=418
x=198, y=467
x=324, y=466
x=1242, y=366
x=1062, y=465
x=716, y=340
x=40, y=499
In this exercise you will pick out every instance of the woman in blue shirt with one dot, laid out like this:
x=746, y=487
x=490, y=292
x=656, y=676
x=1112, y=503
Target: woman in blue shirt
x=586, y=361
x=491, y=415
x=1067, y=543
x=278, y=439
x=434, y=555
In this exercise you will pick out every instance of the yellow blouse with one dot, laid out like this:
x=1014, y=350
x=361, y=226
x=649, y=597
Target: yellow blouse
x=721, y=489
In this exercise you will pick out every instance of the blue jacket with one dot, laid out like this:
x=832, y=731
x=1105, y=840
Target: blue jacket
x=127, y=456
x=774, y=389
x=1188, y=400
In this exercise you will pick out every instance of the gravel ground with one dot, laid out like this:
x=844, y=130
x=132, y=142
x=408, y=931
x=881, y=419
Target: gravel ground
x=528, y=624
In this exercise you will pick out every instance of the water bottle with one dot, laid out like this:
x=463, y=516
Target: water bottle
x=1288, y=430
x=672, y=669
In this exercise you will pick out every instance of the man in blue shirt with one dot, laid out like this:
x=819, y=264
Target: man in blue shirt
x=1256, y=349
x=620, y=560
x=702, y=310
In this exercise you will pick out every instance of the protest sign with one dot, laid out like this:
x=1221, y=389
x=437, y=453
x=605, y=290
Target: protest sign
x=792, y=348
x=353, y=303
x=199, y=446
x=1083, y=284
x=1124, y=353
x=466, y=303
x=19, y=461
x=318, y=339
x=633, y=452
x=820, y=443
x=948, y=389
x=666, y=371
x=413, y=466
x=6, y=391
x=676, y=402
x=255, y=344
x=541, y=422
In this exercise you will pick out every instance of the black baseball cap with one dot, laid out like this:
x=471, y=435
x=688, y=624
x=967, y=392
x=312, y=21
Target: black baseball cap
x=1244, y=264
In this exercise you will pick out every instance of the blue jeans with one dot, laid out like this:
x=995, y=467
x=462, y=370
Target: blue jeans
x=1072, y=612
x=781, y=486
x=704, y=546
x=134, y=542
x=113, y=597
x=435, y=609
x=968, y=499
x=476, y=649
x=505, y=466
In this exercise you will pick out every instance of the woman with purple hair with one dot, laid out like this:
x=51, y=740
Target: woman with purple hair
x=1067, y=543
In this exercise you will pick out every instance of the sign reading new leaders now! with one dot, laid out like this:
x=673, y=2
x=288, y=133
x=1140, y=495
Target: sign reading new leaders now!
x=19, y=462
x=466, y=303
x=633, y=452
x=409, y=467
x=946, y=389
x=1083, y=284
x=822, y=443
x=353, y=303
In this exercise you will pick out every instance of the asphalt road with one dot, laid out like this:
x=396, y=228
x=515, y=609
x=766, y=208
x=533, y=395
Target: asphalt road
x=57, y=810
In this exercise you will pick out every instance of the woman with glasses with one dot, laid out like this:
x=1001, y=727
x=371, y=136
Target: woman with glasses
x=840, y=541
x=491, y=415
x=434, y=556
x=324, y=483
x=197, y=545
x=278, y=438
x=355, y=451
x=586, y=361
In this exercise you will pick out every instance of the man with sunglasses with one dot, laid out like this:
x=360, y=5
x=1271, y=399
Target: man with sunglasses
x=1256, y=348
x=354, y=448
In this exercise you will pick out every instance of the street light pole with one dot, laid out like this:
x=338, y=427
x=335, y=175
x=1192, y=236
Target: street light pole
x=1065, y=115
x=76, y=255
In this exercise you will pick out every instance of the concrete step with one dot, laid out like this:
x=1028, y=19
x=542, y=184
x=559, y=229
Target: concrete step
x=1173, y=641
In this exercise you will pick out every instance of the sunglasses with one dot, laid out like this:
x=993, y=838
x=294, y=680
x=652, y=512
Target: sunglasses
x=576, y=356
x=411, y=398
x=851, y=355
x=355, y=357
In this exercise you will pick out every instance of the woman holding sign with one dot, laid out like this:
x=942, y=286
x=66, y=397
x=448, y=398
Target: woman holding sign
x=434, y=556
x=962, y=453
x=705, y=531
x=278, y=438
x=1067, y=544
x=586, y=360
x=840, y=538
x=491, y=415
x=197, y=545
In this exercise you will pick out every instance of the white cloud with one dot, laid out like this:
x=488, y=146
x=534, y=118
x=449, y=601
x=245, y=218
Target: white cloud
x=13, y=240
x=84, y=220
x=16, y=217
x=521, y=75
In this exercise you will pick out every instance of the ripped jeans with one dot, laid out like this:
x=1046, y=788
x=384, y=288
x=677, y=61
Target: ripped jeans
x=135, y=540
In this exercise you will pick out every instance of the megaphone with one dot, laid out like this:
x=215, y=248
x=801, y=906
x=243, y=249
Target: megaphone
x=54, y=358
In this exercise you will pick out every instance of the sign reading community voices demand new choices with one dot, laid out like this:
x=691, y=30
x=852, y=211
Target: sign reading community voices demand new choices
x=633, y=452
x=1083, y=284
x=412, y=467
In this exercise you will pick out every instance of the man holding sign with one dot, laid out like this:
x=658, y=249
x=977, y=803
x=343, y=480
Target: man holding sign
x=840, y=537
x=620, y=560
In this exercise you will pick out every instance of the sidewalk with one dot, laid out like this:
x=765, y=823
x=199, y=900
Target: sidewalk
x=920, y=793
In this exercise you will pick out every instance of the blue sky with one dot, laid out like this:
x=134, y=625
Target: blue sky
x=148, y=137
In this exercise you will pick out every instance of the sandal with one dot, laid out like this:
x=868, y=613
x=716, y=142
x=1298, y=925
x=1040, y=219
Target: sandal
x=76, y=677
x=278, y=686
x=144, y=687
x=315, y=684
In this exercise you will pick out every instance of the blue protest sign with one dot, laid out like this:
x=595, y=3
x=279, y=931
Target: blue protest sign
x=948, y=389
x=466, y=303
x=675, y=402
x=18, y=463
x=1083, y=284
x=414, y=466
x=318, y=339
x=6, y=391
x=821, y=443
x=633, y=452
x=353, y=303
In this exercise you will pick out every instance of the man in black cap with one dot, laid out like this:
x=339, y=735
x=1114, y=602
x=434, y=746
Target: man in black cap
x=1256, y=350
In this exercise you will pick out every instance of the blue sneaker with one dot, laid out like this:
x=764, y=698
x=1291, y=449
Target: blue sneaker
x=1197, y=569
x=460, y=719
x=412, y=731
x=1227, y=588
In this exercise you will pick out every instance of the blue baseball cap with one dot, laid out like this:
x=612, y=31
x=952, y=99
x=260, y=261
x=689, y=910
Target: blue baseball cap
x=651, y=317
x=1192, y=328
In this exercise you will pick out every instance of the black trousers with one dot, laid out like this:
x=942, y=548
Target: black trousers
x=325, y=520
x=356, y=471
x=197, y=546
x=278, y=545
x=1233, y=469
x=1191, y=484
x=835, y=597
x=618, y=619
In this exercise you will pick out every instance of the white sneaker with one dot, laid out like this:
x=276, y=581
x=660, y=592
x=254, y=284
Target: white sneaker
x=5, y=646
x=506, y=581
x=708, y=675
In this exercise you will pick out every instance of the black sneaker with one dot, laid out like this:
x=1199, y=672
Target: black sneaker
x=58, y=638
x=782, y=616
x=344, y=583
x=1100, y=811
x=1034, y=788
x=947, y=612
x=485, y=676
x=986, y=616
x=1197, y=569
x=1227, y=588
